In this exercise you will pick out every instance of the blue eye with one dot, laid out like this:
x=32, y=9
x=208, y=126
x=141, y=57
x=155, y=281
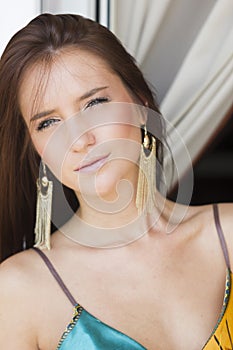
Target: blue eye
x=47, y=123
x=96, y=101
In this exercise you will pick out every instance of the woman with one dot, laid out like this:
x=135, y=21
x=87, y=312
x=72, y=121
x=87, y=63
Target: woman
x=73, y=98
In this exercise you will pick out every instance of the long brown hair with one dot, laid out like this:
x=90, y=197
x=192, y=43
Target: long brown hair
x=39, y=42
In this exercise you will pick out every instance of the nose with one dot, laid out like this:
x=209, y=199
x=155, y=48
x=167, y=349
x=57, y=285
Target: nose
x=83, y=141
x=79, y=135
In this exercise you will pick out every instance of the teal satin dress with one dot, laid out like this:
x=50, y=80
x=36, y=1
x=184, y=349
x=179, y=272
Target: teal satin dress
x=86, y=332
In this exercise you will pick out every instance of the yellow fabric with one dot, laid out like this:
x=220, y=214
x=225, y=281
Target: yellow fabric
x=222, y=336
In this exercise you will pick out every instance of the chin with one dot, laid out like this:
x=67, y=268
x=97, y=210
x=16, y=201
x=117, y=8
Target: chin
x=107, y=186
x=114, y=190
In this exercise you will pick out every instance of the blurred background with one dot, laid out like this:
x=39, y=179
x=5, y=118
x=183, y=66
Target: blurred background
x=185, y=50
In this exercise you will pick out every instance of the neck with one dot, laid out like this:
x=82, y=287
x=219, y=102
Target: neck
x=109, y=210
x=114, y=228
x=110, y=216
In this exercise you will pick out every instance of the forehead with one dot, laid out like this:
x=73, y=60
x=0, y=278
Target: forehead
x=78, y=63
x=67, y=69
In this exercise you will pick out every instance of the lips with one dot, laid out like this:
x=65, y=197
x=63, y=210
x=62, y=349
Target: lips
x=93, y=164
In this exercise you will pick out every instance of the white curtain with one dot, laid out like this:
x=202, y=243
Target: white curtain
x=202, y=92
x=185, y=49
x=140, y=23
x=86, y=8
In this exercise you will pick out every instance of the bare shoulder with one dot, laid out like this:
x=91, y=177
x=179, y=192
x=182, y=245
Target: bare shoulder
x=203, y=217
x=206, y=212
x=17, y=269
x=226, y=221
x=226, y=214
x=16, y=302
x=17, y=276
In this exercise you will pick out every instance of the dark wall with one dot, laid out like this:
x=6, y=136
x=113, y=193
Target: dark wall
x=213, y=172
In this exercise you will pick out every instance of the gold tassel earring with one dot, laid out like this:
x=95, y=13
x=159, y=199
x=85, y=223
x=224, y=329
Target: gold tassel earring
x=146, y=188
x=43, y=211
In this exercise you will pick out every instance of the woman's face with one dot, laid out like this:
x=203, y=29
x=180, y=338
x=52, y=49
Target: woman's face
x=87, y=138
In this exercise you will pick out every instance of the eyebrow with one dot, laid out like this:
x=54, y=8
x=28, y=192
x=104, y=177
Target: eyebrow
x=91, y=93
x=41, y=115
x=81, y=98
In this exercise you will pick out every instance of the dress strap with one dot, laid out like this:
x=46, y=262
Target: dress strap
x=56, y=276
x=221, y=235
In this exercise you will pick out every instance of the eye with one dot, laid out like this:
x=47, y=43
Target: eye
x=96, y=101
x=47, y=123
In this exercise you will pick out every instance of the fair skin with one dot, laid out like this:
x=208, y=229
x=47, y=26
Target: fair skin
x=190, y=258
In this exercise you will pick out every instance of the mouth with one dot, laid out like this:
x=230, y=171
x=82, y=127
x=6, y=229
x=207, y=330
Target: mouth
x=92, y=165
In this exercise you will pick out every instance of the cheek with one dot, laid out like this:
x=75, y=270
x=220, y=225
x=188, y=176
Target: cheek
x=52, y=150
x=120, y=130
x=123, y=142
x=39, y=146
x=40, y=143
x=122, y=135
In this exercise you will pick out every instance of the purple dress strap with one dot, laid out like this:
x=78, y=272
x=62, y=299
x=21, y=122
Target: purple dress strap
x=221, y=235
x=56, y=276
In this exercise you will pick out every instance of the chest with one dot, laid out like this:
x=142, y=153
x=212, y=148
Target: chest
x=160, y=308
x=163, y=312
